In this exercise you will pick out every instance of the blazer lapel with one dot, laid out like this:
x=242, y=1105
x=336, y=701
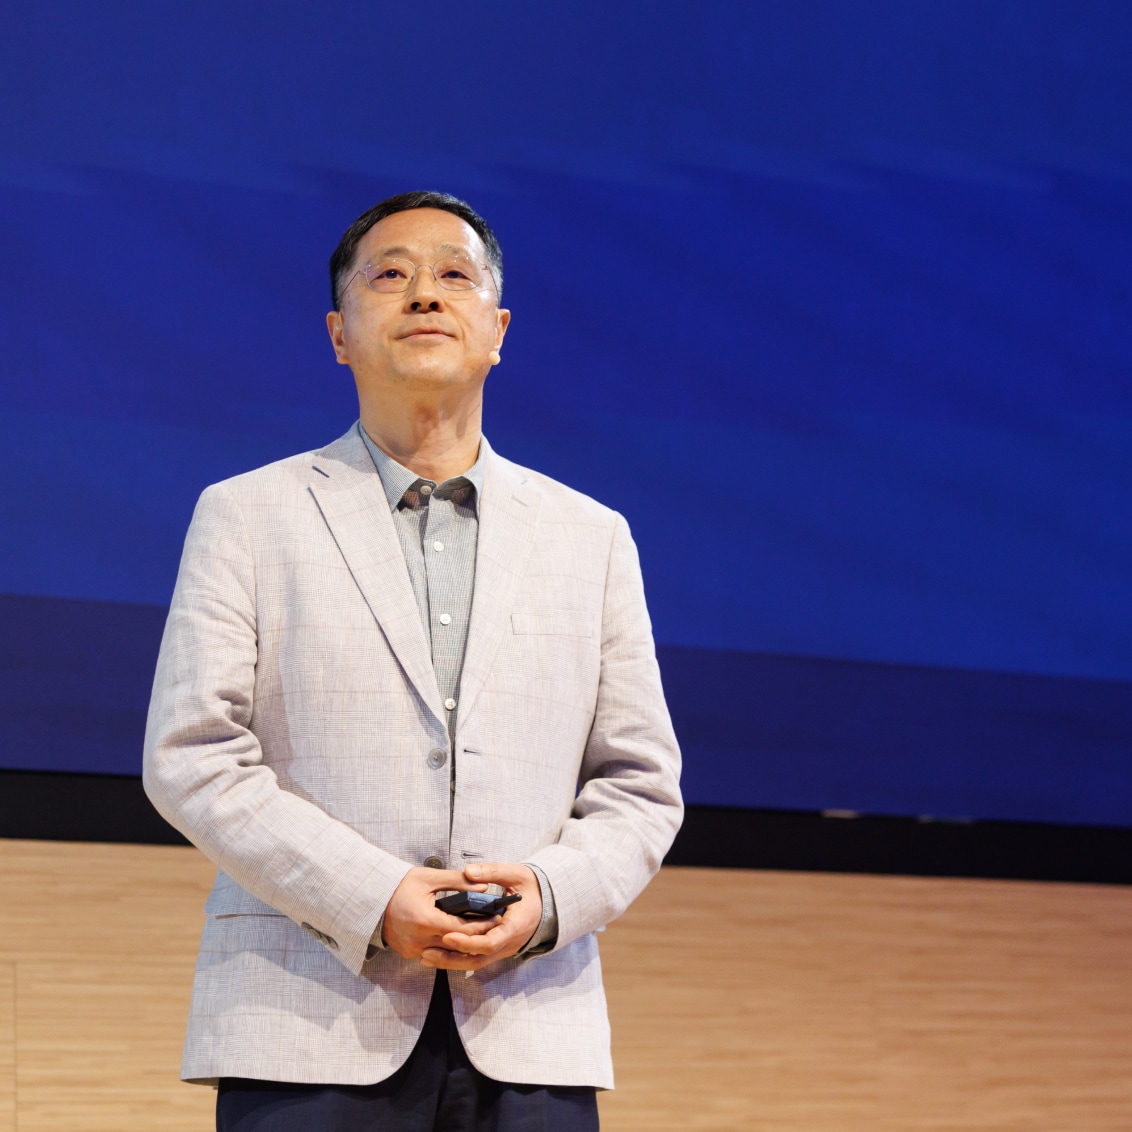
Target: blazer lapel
x=349, y=494
x=508, y=517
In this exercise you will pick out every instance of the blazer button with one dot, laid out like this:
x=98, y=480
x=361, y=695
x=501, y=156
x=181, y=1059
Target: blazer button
x=322, y=937
x=437, y=757
x=433, y=863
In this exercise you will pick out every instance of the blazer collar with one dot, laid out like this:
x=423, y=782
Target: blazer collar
x=348, y=491
x=349, y=494
x=508, y=519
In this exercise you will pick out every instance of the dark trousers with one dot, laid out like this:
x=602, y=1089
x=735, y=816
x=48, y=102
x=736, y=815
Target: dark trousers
x=436, y=1090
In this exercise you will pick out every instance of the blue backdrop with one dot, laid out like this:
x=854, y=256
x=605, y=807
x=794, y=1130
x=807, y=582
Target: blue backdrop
x=830, y=300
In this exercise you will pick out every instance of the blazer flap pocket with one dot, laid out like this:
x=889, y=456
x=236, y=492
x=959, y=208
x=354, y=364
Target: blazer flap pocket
x=555, y=622
x=229, y=899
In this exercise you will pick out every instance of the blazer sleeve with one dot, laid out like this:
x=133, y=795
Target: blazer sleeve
x=628, y=807
x=203, y=766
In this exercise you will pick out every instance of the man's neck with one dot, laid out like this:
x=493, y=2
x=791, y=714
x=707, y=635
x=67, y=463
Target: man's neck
x=426, y=437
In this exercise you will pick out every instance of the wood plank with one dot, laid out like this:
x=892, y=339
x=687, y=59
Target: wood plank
x=103, y=938
x=121, y=901
x=7, y=1047
x=739, y=999
x=787, y=1001
x=733, y=1006
x=100, y=1048
x=1007, y=1006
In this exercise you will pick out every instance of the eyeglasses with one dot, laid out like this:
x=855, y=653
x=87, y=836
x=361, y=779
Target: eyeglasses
x=454, y=273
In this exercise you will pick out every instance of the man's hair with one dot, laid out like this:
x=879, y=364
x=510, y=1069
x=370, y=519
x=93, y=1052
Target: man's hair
x=343, y=258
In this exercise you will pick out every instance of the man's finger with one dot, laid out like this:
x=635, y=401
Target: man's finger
x=434, y=957
x=508, y=875
x=489, y=943
x=437, y=880
x=466, y=929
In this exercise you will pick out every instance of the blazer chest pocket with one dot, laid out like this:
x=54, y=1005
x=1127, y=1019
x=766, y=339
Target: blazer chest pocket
x=555, y=623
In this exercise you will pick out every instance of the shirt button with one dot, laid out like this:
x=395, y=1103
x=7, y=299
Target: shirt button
x=437, y=757
x=446, y=619
x=450, y=704
x=438, y=546
x=433, y=863
x=426, y=489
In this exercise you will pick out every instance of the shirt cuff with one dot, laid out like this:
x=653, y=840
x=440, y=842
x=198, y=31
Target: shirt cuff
x=376, y=943
x=546, y=936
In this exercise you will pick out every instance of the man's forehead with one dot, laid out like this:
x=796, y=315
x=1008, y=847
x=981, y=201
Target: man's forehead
x=421, y=231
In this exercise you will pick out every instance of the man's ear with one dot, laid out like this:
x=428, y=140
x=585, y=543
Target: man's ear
x=335, y=329
x=502, y=321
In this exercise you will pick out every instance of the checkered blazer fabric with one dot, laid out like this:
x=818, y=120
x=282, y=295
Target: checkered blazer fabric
x=293, y=711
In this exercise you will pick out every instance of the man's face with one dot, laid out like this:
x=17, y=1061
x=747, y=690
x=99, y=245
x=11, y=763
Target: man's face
x=425, y=338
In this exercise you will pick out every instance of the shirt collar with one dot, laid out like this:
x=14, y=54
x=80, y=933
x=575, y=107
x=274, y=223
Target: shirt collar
x=396, y=479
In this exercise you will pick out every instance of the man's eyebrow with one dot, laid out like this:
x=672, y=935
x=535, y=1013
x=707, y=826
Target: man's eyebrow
x=442, y=249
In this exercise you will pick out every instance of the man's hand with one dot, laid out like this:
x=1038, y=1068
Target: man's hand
x=412, y=922
x=472, y=946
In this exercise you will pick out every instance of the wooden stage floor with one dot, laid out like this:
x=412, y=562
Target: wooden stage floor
x=739, y=1000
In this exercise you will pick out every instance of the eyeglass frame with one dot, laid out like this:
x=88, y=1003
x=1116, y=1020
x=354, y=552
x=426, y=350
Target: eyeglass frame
x=432, y=267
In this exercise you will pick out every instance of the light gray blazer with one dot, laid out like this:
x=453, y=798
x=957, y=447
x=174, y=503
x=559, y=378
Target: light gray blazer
x=293, y=712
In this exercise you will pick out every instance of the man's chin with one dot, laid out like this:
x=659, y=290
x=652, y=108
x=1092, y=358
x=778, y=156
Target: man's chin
x=439, y=377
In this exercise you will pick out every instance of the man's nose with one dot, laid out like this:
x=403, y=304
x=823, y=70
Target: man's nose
x=424, y=292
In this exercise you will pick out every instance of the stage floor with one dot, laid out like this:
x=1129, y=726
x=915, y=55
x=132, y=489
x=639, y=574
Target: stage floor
x=739, y=1000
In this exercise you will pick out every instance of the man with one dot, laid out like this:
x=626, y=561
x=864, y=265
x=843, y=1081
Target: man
x=395, y=668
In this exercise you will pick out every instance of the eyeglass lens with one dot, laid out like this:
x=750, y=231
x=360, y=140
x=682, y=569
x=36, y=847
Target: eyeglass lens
x=456, y=273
